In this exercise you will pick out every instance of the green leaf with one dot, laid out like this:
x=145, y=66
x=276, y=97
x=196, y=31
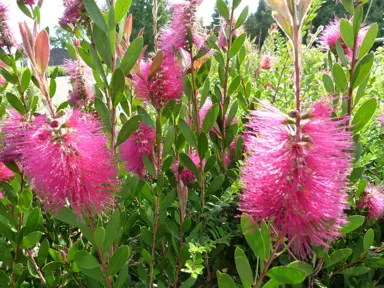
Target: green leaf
x=357, y=19
x=243, y=268
x=52, y=87
x=32, y=221
x=122, y=277
x=354, y=222
x=356, y=271
x=189, y=283
x=131, y=55
x=225, y=281
x=369, y=40
x=188, y=163
x=374, y=262
x=6, y=257
x=360, y=91
x=348, y=5
x=272, y=283
x=364, y=114
x=215, y=184
x=129, y=127
x=85, y=260
x=99, y=236
x=121, y=9
x=25, y=200
x=31, y=239
x=232, y=113
x=149, y=166
x=87, y=58
x=168, y=141
x=95, y=14
x=71, y=50
x=43, y=252
x=234, y=84
x=257, y=238
x=26, y=79
x=363, y=68
x=4, y=279
x=242, y=17
x=117, y=86
x=235, y=3
x=187, y=132
x=287, y=275
x=11, y=78
x=230, y=134
x=118, y=260
x=222, y=8
x=103, y=112
x=203, y=145
x=112, y=229
x=369, y=238
x=168, y=200
x=339, y=77
x=103, y=46
x=9, y=193
x=67, y=215
x=237, y=44
x=341, y=54
x=338, y=256
x=16, y=103
x=347, y=33
x=210, y=118
x=328, y=83
x=307, y=268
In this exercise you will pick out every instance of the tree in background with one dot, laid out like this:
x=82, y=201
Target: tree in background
x=216, y=17
x=142, y=18
x=330, y=9
x=258, y=23
x=60, y=37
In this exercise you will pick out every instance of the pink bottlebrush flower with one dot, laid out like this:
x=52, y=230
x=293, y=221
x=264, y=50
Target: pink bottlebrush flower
x=72, y=13
x=81, y=81
x=266, y=62
x=15, y=130
x=5, y=173
x=184, y=18
x=186, y=176
x=331, y=34
x=165, y=85
x=29, y=2
x=298, y=183
x=373, y=202
x=71, y=163
x=6, y=35
x=140, y=143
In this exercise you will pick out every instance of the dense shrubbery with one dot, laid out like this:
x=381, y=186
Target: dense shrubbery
x=210, y=162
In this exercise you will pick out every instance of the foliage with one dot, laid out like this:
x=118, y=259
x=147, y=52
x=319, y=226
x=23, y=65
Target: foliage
x=170, y=216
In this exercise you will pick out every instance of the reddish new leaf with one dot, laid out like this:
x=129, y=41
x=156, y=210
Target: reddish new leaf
x=42, y=52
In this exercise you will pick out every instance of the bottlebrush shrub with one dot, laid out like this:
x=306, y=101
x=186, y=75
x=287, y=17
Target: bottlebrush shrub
x=208, y=162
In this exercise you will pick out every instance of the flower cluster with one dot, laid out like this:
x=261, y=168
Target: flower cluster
x=5, y=173
x=373, y=202
x=81, y=81
x=184, y=18
x=6, y=35
x=139, y=144
x=70, y=161
x=331, y=33
x=165, y=85
x=266, y=62
x=297, y=177
x=72, y=12
x=185, y=175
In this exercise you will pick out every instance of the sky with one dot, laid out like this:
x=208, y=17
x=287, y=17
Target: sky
x=52, y=10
